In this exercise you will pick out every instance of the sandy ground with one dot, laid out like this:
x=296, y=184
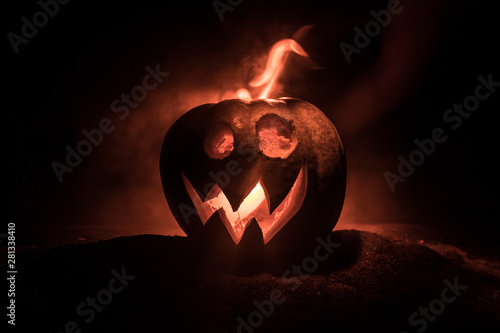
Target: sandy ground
x=368, y=283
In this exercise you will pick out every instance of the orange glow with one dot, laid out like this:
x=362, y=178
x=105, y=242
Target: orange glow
x=275, y=64
x=254, y=205
x=243, y=94
x=252, y=201
x=219, y=142
x=276, y=136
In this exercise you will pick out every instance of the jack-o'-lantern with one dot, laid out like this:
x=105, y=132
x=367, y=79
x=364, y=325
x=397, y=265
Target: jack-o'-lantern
x=273, y=166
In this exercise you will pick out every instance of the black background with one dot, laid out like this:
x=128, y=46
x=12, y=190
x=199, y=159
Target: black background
x=66, y=77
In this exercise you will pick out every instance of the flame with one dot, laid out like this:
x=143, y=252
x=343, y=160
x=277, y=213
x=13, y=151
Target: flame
x=253, y=200
x=254, y=205
x=274, y=66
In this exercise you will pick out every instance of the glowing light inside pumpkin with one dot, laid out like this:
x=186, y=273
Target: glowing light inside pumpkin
x=254, y=205
x=252, y=201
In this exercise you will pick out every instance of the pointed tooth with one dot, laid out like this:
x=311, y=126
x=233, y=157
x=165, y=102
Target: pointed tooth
x=238, y=187
x=234, y=198
x=252, y=236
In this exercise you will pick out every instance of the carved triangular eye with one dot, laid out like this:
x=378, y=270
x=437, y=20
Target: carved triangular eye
x=276, y=135
x=219, y=142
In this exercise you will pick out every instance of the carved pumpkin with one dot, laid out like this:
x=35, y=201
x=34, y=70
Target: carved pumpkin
x=268, y=173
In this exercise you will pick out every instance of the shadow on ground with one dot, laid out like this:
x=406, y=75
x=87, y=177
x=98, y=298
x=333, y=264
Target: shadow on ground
x=369, y=283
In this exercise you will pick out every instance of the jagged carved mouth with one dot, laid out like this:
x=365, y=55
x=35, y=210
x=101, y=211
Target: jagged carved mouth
x=255, y=205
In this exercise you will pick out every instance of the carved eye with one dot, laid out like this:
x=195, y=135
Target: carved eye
x=219, y=142
x=276, y=136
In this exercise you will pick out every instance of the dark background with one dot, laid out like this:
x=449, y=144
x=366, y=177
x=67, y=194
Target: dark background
x=395, y=91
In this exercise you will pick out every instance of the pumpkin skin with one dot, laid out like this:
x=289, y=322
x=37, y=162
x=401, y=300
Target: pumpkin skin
x=280, y=144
